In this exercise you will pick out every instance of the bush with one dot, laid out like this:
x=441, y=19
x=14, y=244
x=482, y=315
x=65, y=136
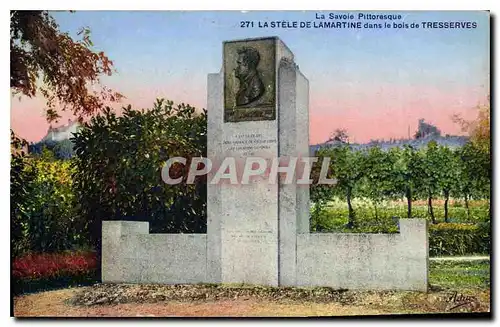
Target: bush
x=43, y=214
x=43, y=271
x=49, y=222
x=118, y=166
x=448, y=239
x=51, y=265
x=22, y=179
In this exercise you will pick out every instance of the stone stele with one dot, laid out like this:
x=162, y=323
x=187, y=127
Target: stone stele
x=258, y=233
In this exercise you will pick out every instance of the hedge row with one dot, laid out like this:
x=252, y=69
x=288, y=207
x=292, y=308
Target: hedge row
x=448, y=239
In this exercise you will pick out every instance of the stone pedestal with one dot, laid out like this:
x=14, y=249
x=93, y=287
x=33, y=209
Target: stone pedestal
x=257, y=107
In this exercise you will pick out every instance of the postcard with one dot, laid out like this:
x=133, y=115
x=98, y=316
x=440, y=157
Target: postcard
x=250, y=163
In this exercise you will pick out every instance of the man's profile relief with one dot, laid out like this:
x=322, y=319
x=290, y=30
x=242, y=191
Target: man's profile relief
x=250, y=80
x=251, y=87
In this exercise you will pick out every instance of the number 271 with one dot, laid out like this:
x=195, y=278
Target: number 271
x=246, y=24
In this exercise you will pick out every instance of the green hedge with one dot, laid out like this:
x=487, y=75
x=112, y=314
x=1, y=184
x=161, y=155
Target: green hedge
x=447, y=239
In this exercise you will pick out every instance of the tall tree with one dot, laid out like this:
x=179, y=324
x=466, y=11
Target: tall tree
x=347, y=167
x=450, y=175
x=379, y=175
x=433, y=171
x=44, y=61
x=408, y=173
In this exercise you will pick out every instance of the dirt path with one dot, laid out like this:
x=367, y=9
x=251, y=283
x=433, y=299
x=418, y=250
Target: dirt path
x=54, y=304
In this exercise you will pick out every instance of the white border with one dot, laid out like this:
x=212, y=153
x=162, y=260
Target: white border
x=188, y=5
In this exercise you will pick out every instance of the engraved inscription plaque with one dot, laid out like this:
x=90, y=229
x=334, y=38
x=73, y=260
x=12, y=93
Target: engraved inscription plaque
x=250, y=80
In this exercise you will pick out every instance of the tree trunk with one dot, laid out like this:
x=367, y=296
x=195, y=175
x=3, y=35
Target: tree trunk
x=466, y=197
x=446, y=199
x=350, y=224
x=408, y=199
x=431, y=210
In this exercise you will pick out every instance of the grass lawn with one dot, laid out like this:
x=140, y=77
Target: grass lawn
x=462, y=275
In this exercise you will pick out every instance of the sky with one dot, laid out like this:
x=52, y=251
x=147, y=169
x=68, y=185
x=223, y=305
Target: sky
x=375, y=83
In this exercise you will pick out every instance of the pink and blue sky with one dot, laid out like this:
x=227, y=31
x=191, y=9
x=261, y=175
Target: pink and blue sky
x=376, y=83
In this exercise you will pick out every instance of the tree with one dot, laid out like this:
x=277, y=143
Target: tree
x=379, y=174
x=52, y=224
x=450, y=175
x=65, y=72
x=408, y=174
x=320, y=193
x=433, y=170
x=347, y=168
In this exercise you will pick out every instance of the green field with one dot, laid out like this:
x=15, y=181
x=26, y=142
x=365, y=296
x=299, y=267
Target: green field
x=463, y=275
x=383, y=217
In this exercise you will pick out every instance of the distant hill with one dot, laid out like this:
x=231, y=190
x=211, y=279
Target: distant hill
x=448, y=141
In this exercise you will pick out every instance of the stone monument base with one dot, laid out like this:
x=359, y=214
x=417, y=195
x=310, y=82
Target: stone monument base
x=339, y=260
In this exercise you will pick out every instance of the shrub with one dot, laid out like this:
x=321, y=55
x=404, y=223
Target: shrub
x=51, y=223
x=43, y=271
x=43, y=211
x=459, y=239
x=118, y=165
x=22, y=178
x=52, y=265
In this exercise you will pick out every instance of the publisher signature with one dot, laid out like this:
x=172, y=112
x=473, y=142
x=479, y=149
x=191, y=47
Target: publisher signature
x=457, y=300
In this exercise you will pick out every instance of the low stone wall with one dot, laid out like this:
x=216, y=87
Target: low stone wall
x=366, y=261
x=338, y=260
x=131, y=255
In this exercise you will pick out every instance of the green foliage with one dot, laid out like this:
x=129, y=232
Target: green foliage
x=379, y=178
x=347, y=167
x=42, y=203
x=407, y=175
x=459, y=239
x=50, y=222
x=336, y=210
x=469, y=235
x=475, y=171
x=428, y=174
x=53, y=223
x=118, y=168
x=22, y=179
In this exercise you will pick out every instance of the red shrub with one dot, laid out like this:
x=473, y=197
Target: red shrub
x=47, y=265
